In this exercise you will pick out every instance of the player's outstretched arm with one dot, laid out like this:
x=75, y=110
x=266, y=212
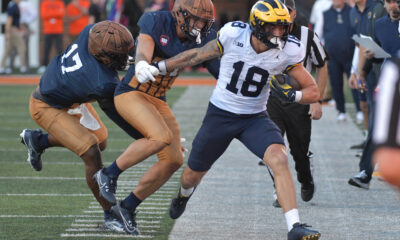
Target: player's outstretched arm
x=194, y=56
x=309, y=88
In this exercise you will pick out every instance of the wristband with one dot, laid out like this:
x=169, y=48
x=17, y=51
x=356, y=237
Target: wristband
x=162, y=66
x=299, y=95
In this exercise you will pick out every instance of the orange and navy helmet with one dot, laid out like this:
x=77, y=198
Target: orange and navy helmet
x=272, y=12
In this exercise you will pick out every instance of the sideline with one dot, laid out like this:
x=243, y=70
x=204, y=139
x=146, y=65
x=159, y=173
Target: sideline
x=34, y=80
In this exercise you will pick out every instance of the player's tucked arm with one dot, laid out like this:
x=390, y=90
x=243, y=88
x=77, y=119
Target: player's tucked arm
x=194, y=56
x=309, y=89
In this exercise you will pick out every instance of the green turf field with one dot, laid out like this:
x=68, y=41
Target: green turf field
x=56, y=203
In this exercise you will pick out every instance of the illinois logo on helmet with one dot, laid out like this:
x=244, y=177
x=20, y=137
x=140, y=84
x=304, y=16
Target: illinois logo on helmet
x=188, y=12
x=273, y=13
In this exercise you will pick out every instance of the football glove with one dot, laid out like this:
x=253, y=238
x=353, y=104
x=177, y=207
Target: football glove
x=145, y=72
x=283, y=90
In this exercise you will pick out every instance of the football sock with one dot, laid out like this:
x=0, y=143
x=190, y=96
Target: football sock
x=292, y=217
x=186, y=192
x=44, y=141
x=106, y=213
x=131, y=202
x=113, y=171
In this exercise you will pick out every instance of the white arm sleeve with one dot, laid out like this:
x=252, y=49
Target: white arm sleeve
x=354, y=64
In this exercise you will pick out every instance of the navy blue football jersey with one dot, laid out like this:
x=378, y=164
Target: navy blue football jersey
x=75, y=76
x=161, y=27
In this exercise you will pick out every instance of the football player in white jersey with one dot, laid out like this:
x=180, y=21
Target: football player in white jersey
x=250, y=55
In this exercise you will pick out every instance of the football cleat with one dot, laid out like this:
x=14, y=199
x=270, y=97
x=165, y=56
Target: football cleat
x=126, y=217
x=30, y=138
x=111, y=223
x=307, y=191
x=301, y=232
x=107, y=186
x=276, y=204
x=178, y=205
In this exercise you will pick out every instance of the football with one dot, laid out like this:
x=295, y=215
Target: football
x=284, y=78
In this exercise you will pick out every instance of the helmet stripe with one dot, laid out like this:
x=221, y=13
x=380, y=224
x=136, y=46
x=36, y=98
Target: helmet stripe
x=272, y=4
x=279, y=4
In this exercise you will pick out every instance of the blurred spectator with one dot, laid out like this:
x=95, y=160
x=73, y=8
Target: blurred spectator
x=386, y=29
x=52, y=13
x=157, y=5
x=28, y=15
x=337, y=34
x=133, y=11
x=78, y=17
x=316, y=20
x=13, y=34
x=96, y=13
x=360, y=16
x=316, y=17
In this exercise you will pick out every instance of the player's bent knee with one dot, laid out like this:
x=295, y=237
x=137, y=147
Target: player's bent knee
x=276, y=158
x=92, y=157
x=165, y=137
x=191, y=177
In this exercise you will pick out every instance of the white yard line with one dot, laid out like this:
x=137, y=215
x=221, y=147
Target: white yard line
x=103, y=235
x=46, y=195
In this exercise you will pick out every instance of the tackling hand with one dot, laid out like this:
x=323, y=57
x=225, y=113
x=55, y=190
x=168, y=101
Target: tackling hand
x=145, y=72
x=279, y=85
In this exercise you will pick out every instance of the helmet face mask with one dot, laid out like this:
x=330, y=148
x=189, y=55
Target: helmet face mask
x=189, y=14
x=110, y=43
x=265, y=16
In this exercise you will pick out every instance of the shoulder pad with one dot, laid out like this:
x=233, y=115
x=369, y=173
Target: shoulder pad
x=233, y=29
x=294, y=49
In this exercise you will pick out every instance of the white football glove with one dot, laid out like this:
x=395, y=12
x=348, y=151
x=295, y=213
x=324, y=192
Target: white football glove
x=145, y=72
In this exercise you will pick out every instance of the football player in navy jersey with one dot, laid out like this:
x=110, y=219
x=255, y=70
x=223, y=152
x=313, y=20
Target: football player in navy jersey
x=250, y=55
x=85, y=72
x=140, y=100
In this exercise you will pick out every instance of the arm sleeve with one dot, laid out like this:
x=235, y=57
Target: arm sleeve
x=386, y=125
x=354, y=63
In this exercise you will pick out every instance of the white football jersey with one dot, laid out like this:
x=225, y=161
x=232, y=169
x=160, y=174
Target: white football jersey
x=243, y=82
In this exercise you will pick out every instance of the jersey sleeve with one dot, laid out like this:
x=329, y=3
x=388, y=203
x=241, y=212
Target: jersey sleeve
x=146, y=23
x=228, y=33
x=295, y=52
x=318, y=52
x=387, y=121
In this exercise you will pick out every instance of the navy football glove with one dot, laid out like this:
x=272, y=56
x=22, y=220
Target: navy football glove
x=279, y=85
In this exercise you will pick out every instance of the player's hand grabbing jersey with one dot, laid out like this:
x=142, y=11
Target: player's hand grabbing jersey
x=161, y=27
x=242, y=86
